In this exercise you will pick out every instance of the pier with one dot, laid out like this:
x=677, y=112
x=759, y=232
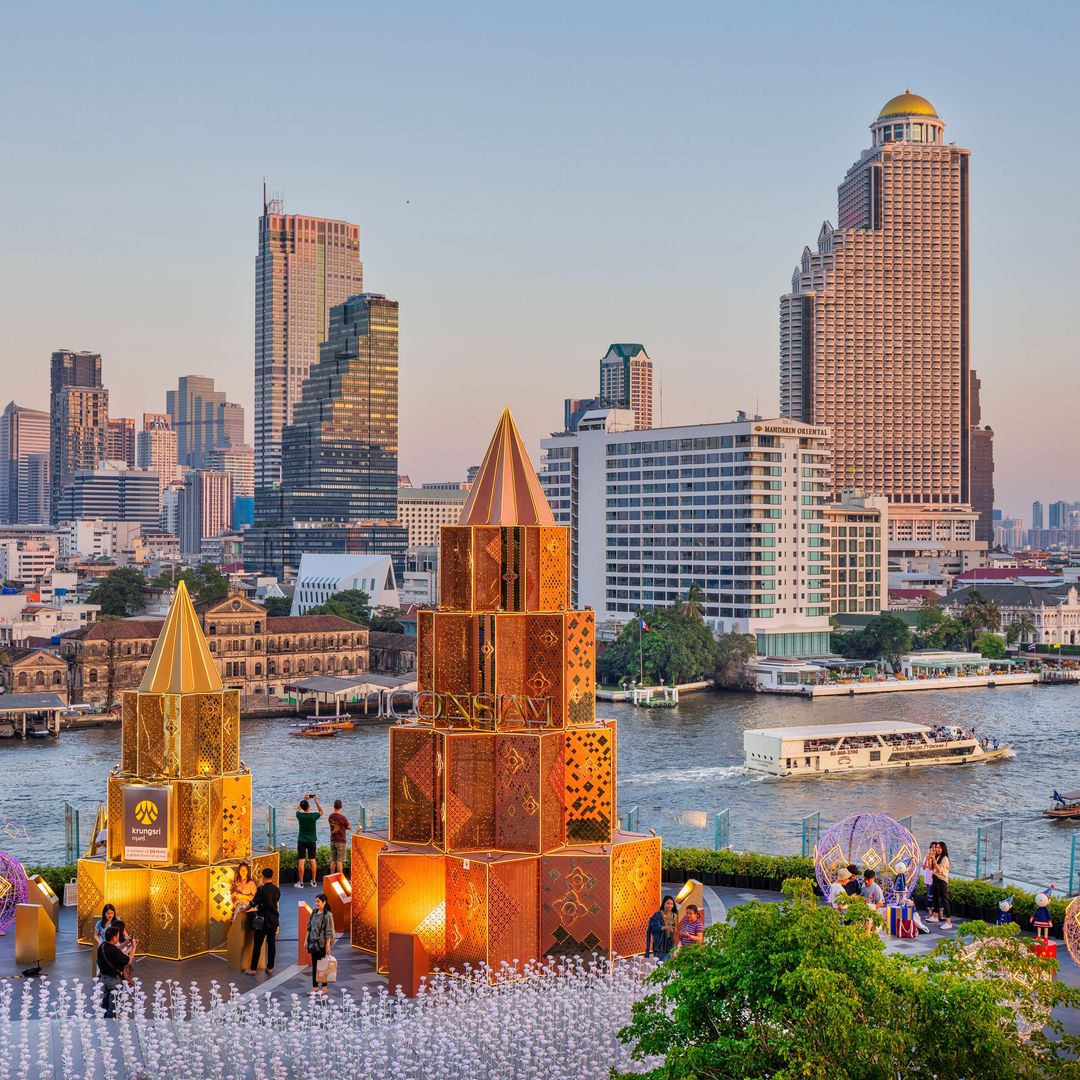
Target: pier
x=30, y=716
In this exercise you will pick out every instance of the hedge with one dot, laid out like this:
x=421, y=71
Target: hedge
x=750, y=869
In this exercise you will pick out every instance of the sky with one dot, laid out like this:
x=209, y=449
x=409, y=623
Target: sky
x=532, y=182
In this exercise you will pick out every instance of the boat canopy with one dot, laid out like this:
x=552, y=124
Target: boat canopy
x=835, y=731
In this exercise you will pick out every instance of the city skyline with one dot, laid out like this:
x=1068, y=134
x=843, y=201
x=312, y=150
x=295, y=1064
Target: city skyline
x=534, y=206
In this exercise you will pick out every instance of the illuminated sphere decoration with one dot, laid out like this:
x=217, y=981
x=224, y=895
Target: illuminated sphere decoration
x=1072, y=929
x=872, y=842
x=12, y=888
x=989, y=958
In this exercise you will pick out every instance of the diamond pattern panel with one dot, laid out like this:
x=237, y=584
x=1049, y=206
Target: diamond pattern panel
x=544, y=662
x=510, y=636
x=513, y=912
x=230, y=731
x=365, y=889
x=220, y=904
x=90, y=898
x=635, y=893
x=590, y=784
x=151, y=736
x=412, y=900
x=470, y=791
x=193, y=911
x=236, y=816
x=575, y=903
x=487, y=568
x=455, y=568
x=453, y=654
x=414, y=784
x=129, y=738
x=512, y=578
x=554, y=568
x=114, y=811
x=466, y=913
x=580, y=670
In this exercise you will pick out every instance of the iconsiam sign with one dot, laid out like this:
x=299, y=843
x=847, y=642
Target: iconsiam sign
x=502, y=846
x=179, y=804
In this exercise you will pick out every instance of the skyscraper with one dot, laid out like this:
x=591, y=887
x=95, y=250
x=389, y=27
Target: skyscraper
x=202, y=419
x=120, y=440
x=111, y=492
x=155, y=448
x=24, y=466
x=981, y=443
x=1059, y=514
x=626, y=382
x=1036, y=515
x=79, y=418
x=875, y=332
x=305, y=267
x=205, y=508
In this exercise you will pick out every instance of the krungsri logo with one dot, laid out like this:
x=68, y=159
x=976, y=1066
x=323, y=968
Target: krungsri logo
x=146, y=812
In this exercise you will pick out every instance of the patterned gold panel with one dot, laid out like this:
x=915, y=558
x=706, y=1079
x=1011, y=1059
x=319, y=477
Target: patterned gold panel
x=454, y=669
x=193, y=911
x=230, y=731
x=172, y=708
x=470, y=787
x=236, y=816
x=425, y=650
x=466, y=914
x=513, y=912
x=151, y=737
x=510, y=666
x=580, y=672
x=517, y=793
x=575, y=908
x=544, y=662
x=365, y=889
x=114, y=811
x=487, y=568
x=189, y=735
x=512, y=578
x=552, y=791
x=532, y=568
x=484, y=649
x=128, y=889
x=590, y=784
x=220, y=904
x=455, y=568
x=90, y=882
x=415, y=758
x=635, y=892
x=262, y=859
x=164, y=930
x=129, y=738
x=554, y=568
x=198, y=821
x=412, y=900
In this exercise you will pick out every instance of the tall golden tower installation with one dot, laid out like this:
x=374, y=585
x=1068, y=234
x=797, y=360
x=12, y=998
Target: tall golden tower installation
x=179, y=804
x=502, y=844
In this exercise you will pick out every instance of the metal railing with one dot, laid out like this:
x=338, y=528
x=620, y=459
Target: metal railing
x=811, y=833
x=988, y=847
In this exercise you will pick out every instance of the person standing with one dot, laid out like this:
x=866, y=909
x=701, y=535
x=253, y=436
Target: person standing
x=108, y=917
x=941, y=868
x=928, y=881
x=266, y=917
x=306, y=839
x=339, y=838
x=112, y=963
x=660, y=936
x=691, y=927
x=320, y=937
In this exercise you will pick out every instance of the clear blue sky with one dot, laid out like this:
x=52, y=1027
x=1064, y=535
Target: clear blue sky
x=532, y=182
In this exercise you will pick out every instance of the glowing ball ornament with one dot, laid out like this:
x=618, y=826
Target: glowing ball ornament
x=12, y=889
x=997, y=958
x=1072, y=929
x=872, y=842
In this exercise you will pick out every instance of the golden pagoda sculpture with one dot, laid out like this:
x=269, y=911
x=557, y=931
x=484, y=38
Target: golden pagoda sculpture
x=178, y=806
x=502, y=845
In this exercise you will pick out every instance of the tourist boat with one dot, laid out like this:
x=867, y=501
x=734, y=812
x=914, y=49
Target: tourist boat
x=829, y=749
x=314, y=731
x=1065, y=806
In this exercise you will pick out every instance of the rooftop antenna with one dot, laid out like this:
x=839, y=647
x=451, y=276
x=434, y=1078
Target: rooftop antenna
x=264, y=197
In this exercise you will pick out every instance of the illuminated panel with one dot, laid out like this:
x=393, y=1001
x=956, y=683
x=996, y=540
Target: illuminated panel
x=193, y=911
x=510, y=667
x=236, y=816
x=425, y=650
x=544, y=669
x=532, y=567
x=415, y=777
x=220, y=904
x=575, y=902
x=128, y=889
x=230, y=731
x=90, y=884
x=579, y=682
x=364, y=878
x=453, y=655
x=512, y=579
x=129, y=754
x=172, y=722
x=114, y=813
x=528, y=792
x=150, y=740
x=466, y=913
x=513, y=912
x=470, y=791
x=412, y=900
x=554, y=568
x=590, y=784
x=635, y=891
x=487, y=568
x=198, y=831
x=455, y=568
x=483, y=648
x=552, y=791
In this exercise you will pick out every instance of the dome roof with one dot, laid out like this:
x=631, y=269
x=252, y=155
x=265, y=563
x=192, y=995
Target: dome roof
x=907, y=104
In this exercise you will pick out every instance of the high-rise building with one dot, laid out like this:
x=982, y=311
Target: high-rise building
x=239, y=462
x=874, y=335
x=111, y=492
x=652, y=513
x=1059, y=514
x=425, y=510
x=1036, y=515
x=858, y=554
x=155, y=448
x=120, y=440
x=626, y=382
x=205, y=508
x=981, y=450
x=305, y=267
x=24, y=466
x=79, y=418
x=339, y=455
x=202, y=419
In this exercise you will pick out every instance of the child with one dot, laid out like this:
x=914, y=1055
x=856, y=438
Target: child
x=1041, y=919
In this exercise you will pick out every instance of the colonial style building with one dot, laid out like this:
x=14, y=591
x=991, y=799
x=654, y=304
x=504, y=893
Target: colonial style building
x=255, y=654
x=33, y=671
x=1054, y=609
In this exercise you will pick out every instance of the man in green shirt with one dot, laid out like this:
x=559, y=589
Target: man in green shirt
x=305, y=837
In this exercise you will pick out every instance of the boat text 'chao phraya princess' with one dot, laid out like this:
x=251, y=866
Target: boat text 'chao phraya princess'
x=502, y=845
x=179, y=803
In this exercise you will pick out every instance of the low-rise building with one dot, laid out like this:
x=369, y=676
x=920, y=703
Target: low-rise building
x=255, y=654
x=321, y=576
x=936, y=542
x=1054, y=609
x=858, y=554
x=34, y=671
x=425, y=510
x=28, y=561
x=44, y=621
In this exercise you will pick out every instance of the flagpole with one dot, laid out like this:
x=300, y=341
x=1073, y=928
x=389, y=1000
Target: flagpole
x=640, y=653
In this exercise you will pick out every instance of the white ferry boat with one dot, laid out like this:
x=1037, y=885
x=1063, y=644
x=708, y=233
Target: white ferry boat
x=838, y=748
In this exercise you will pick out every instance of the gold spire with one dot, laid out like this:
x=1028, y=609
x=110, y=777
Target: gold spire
x=506, y=490
x=181, y=663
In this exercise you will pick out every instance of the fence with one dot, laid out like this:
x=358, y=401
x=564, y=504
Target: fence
x=1074, y=867
x=811, y=833
x=988, y=846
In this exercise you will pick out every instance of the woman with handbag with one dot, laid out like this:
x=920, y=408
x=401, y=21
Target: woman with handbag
x=320, y=937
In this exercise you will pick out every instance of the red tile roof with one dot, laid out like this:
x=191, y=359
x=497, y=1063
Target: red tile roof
x=117, y=630
x=300, y=624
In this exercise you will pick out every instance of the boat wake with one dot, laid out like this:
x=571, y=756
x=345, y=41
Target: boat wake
x=691, y=775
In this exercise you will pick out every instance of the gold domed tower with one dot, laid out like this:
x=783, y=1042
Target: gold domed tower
x=502, y=845
x=179, y=803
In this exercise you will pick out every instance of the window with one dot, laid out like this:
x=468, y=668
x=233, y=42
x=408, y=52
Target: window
x=258, y=669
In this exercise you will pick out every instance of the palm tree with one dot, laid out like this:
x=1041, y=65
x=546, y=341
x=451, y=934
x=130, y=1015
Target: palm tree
x=1022, y=627
x=980, y=613
x=694, y=602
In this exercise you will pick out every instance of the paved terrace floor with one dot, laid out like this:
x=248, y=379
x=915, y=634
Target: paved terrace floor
x=356, y=969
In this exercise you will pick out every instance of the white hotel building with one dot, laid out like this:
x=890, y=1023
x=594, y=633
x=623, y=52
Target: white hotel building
x=737, y=508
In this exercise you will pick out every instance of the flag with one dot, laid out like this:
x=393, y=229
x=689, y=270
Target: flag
x=644, y=625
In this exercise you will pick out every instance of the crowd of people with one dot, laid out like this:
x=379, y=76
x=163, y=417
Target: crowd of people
x=256, y=902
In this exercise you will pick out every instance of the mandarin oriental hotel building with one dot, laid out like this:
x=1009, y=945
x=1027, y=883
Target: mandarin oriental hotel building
x=737, y=509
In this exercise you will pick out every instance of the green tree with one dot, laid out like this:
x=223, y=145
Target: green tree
x=676, y=648
x=1022, y=628
x=387, y=619
x=351, y=604
x=929, y=616
x=120, y=592
x=205, y=582
x=888, y=637
x=990, y=645
x=694, y=603
x=734, y=653
x=796, y=990
x=277, y=605
x=979, y=613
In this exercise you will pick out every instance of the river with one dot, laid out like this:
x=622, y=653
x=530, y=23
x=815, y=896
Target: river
x=674, y=765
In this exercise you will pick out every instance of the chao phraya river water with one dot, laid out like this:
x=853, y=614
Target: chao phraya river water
x=672, y=763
